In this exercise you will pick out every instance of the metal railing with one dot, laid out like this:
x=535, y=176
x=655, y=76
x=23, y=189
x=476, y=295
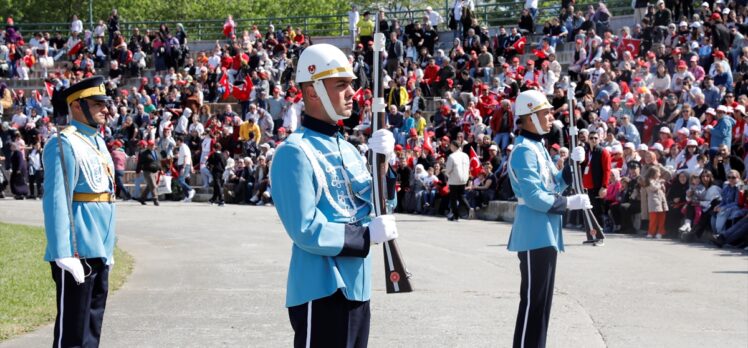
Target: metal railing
x=502, y=12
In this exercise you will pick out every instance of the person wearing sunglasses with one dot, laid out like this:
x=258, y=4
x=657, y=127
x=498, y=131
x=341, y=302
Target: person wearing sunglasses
x=728, y=208
x=595, y=178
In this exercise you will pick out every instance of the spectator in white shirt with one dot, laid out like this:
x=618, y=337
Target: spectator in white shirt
x=184, y=166
x=76, y=26
x=20, y=119
x=181, y=127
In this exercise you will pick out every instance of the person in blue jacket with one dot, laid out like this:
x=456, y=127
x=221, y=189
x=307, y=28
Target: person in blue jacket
x=536, y=234
x=323, y=194
x=79, y=216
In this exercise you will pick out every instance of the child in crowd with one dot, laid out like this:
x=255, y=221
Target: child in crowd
x=656, y=203
x=692, y=209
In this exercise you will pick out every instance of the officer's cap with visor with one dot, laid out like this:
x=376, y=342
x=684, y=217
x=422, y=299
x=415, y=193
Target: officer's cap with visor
x=91, y=88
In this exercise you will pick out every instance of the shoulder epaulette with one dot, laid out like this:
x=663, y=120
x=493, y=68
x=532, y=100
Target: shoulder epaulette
x=69, y=130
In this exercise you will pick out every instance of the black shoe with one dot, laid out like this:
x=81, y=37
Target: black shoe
x=155, y=202
x=718, y=240
x=142, y=201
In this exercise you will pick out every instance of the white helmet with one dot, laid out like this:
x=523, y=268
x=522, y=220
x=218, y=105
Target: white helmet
x=319, y=62
x=529, y=103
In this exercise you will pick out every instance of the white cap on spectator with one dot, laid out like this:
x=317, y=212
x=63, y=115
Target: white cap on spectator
x=726, y=11
x=665, y=130
x=730, y=110
x=584, y=131
x=682, y=24
x=629, y=145
x=617, y=148
x=659, y=2
x=683, y=130
x=696, y=25
x=721, y=108
x=692, y=142
x=695, y=128
x=711, y=111
x=740, y=108
x=643, y=147
x=187, y=112
x=493, y=147
x=658, y=147
x=704, y=4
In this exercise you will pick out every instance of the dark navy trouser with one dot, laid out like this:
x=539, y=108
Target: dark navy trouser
x=331, y=322
x=80, y=307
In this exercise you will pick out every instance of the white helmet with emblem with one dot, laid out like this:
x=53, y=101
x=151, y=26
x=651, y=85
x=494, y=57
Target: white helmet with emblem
x=529, y=103
x=319, y=62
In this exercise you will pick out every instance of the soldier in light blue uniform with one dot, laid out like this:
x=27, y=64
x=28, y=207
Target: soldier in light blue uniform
x=323, y=194
x=79, y=216
x=536, y=234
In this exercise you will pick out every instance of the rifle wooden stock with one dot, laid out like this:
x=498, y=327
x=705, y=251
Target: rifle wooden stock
x=397, y=278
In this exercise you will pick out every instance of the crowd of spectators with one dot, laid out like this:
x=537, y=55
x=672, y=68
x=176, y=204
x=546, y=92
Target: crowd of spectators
x=661, y=104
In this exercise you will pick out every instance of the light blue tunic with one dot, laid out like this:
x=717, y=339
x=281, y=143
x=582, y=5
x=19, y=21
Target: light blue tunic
x=537, y=184
x=94, y=221
x=317, y=219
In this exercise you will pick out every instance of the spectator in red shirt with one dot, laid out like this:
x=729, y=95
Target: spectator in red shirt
x=666, y=139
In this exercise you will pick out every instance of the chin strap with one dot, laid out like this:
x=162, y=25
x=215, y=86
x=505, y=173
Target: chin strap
x=536, y=123
x=89, y=118
x=319, y=87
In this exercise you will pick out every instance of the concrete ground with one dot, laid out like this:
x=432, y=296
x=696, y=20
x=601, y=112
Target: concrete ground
x=209, y=276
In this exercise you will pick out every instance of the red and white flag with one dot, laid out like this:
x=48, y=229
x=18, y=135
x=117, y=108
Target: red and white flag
x=427, y=142
x=475, y=167
x=243, y=91
x=519, y=46
x=224, y=82
x=632, y=45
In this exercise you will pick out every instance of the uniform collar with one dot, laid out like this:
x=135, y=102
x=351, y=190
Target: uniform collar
x=84, y=128
x=530, y=135
x=318, y=125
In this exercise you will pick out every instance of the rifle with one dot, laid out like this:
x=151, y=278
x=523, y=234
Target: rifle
x=590, y=222
x=397, y=277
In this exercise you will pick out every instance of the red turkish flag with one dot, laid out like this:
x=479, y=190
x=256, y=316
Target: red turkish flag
x=75, y=49
x=358, y=97
x=427, y=142
x=519, y=46
x=50, y=88
x=475, y=168
x=243, y=91
x=224, y=81
x=632, y=45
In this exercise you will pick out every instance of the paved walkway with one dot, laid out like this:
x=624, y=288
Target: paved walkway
x=207, y=276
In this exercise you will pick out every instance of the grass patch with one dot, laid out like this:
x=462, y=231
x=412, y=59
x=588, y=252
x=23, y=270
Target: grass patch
x=27, y=291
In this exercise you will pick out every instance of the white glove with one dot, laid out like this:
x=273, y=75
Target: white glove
x=379, y=42
x=382, y=142
x=578, y=154
x=73, y=266
x=578, y=202
x=382, y=229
